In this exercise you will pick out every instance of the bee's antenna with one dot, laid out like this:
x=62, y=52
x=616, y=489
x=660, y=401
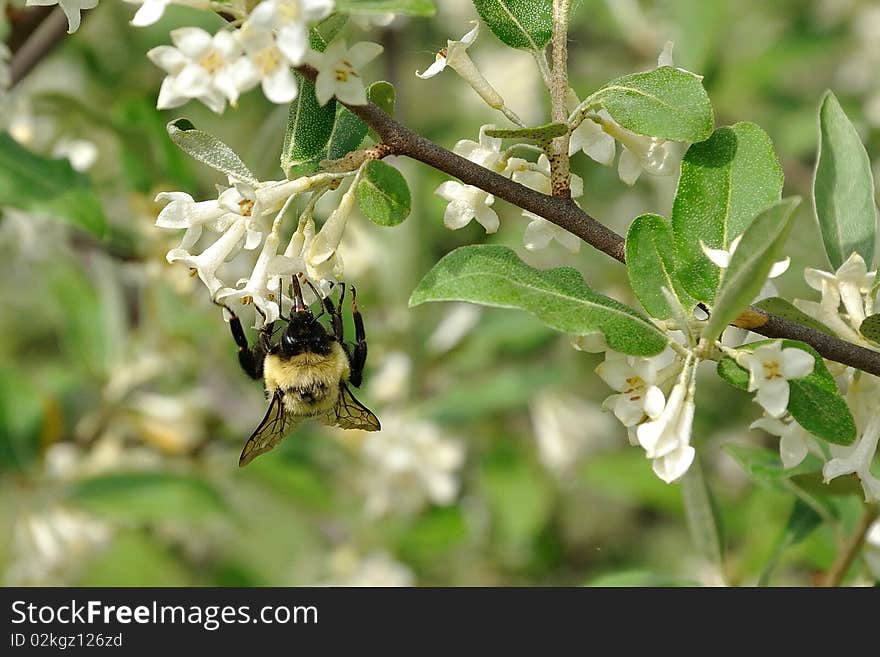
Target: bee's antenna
x=298, y=303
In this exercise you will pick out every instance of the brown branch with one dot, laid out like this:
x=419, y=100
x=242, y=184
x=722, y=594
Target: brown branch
x=40, y=42
x=851, y=548
x=565, y=213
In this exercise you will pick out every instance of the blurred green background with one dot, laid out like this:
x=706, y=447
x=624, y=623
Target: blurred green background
x=123, y=409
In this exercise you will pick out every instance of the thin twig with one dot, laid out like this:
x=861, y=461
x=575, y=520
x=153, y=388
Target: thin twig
x=40, y=43
x=850, y=550
x=560, y=172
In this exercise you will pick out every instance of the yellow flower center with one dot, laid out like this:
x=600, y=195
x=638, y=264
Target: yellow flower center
x=636, y=388
x=289, y=12
x=246, y=206
x=771, y=370
x=267, y=60
x=345, y=70
x=212, y=61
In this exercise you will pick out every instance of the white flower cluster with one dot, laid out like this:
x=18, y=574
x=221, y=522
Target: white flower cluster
x=240, y=219
x=272, y=38
x=409, y=463
x=655, y=402
x=467, y=202
x=852, y=286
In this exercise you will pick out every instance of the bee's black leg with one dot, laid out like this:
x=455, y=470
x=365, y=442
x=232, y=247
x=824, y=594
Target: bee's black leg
x=336, y=316
x=359, y=357
x=250, y=359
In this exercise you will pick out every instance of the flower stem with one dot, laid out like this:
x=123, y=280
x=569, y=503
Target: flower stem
x=559, y=164
x=851, y=547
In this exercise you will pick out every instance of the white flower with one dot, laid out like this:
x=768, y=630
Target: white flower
x=209, y=261
x=322, y=257
x=590, y=138
x=81, y=153
x=455, y=56
x=795, y=442
x=391, y=382
x=198, y=68
x=721, y=258
x=71, y=9
x=338, y=71
x=667, y=438
x=863, y=398
x=467, y=202
x=290, y=18
x=770, y=369
x=408, y=463
x=151, y=10
x=263, y=63
x=852, y=283
x=635, y=379
x=369, y=21
x=486, y=152
x=256, y=288
x=540, y=232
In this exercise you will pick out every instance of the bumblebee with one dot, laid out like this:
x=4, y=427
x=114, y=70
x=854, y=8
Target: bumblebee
x=306, y=373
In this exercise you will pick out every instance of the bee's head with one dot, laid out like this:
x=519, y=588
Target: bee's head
x=303, y=332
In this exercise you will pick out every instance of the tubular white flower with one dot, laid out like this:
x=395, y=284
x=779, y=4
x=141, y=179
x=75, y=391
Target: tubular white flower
x=263, y=63
x=71, y=9
x=863, y=398
x=290, y=18
x=770, y=369
x=323, y=262
x=256, y=288
x=721, y=258
x=852, y=282
x=590, y=138
x=338, y=71
x=667, y=438
x=207, y=262
x=455, y=57
x=486, y=152
x=871, y=552
x=198, y=68
x=540, y=232
x=151, y=10
x=795, y=442
x=467, y=202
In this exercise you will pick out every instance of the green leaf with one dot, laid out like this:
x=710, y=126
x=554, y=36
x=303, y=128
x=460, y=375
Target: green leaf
x=324, y=32
x=348, y=134
x=206, y=148
x=666, y=103
x=382, y=94
x=801, y=523
x=540, y=134
x=786, y=310
x=814, y=401
x=147, y=497
x=870, y=328
x=751, y=262
x=650, y=264
x=524, y=24
x=31, y=182
x=309, y=127
x=409, y=7
x=495, y=276
x=383, y=194
x=725, y=181
x=843, y=187
x=703, y=518
x=639, y=578
x=765, y=465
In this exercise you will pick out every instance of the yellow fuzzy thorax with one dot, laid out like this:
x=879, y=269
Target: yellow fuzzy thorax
x=305, y=371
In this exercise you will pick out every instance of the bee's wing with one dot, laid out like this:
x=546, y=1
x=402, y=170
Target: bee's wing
x=349, y=413
x=275, y=425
